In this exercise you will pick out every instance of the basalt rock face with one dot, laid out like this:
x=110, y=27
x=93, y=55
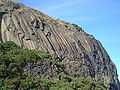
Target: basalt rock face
x=81, y=53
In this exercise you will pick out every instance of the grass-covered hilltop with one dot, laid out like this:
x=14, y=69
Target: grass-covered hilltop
x=13, y=74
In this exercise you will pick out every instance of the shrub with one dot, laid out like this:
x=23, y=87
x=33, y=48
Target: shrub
x=77, y=27
x=12, y=60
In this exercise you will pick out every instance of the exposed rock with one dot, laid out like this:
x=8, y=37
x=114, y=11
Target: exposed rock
x=81, y=53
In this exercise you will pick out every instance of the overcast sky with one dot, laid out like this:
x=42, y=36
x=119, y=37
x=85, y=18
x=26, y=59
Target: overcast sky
x=98, y=17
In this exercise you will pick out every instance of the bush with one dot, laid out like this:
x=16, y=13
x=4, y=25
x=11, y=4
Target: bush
x=77, y=27
x=12, y=57
x=7, y=46
x=12, y=60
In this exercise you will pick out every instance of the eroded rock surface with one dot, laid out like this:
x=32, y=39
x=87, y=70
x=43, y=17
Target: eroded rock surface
x=81, y=53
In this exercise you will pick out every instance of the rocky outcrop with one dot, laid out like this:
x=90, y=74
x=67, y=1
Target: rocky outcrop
x=81, y=53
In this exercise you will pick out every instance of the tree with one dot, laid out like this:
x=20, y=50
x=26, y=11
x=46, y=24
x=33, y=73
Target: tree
x=12, y=77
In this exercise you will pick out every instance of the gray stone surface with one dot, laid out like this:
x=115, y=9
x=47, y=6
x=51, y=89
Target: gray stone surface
x=80, y=52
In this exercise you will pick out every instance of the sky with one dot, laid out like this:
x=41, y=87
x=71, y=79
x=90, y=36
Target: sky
x=100, y=18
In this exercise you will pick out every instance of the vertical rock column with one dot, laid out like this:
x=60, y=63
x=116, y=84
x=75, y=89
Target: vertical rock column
x=1, y=15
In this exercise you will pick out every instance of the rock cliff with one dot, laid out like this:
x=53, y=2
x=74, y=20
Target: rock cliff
x=81, y=53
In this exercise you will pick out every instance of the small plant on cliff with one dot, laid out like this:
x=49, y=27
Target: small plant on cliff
x=77, y=27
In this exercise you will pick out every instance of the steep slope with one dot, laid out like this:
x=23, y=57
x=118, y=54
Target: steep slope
x=80, y=53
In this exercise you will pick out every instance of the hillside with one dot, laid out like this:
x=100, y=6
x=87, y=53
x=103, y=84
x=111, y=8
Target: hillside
x=74, y=54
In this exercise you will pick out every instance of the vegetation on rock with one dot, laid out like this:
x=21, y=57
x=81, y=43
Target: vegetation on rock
x=78, y=53
x=12, y=77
